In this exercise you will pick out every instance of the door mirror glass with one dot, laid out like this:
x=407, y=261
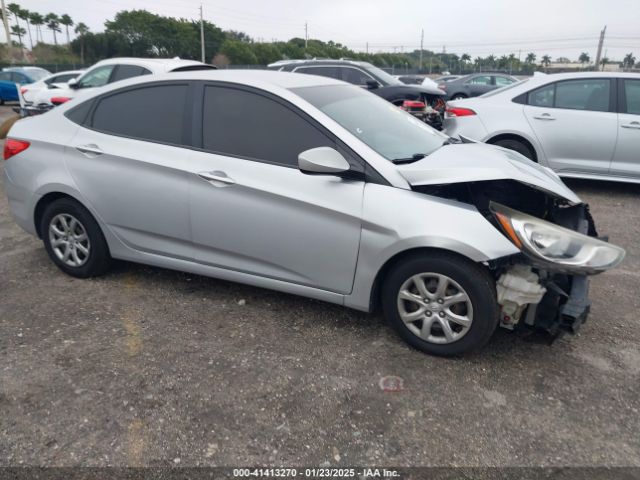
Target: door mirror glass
x=73, y=83
x=322, y=160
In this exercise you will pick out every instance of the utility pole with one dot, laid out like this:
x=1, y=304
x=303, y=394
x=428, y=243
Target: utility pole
x=421, y=47
x=306, y=35
x=367, y=48
x=201, y=34
x=5, y=20
x=600, y=44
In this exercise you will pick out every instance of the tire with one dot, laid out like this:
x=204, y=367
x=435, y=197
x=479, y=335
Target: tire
x=91, y=257
x=479, y=307
x=458, y=96
x=517, y=146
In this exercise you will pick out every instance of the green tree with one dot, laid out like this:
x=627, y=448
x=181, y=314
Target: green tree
x=37, y=20
x=67, y=21
x=604, y=62
x=53, y=24
x=81, y=30
x=239, y=53
x=629, y=61
x=19, y=32
x=530, y=58
x=584, y=58
x=546, y=61
x=23, y=14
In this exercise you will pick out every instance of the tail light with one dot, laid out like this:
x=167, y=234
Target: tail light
x=459, y=112
x=59, y=100
x=413, y=105
x=23, y=90
x=13, y=147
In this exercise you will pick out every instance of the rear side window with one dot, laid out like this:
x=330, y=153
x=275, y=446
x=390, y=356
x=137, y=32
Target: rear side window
x=154, y=113
x=128, y=71
x=543, y=97
x=5, y=76
x=481, y=80
x=249, y=125
x=503, y=81
x=632, y=96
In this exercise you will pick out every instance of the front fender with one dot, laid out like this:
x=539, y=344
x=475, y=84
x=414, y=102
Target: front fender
x=397, y=220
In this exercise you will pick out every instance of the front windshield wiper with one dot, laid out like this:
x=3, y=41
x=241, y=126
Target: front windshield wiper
x=413, y=158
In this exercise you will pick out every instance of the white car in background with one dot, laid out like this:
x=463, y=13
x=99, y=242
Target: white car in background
x=584, y=125
x=116, y=69
x=52, y=82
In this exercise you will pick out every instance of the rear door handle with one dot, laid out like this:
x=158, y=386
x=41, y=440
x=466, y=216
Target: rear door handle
x=544, y=116
x=89, y=150
x=217, y=176
x=635, y=125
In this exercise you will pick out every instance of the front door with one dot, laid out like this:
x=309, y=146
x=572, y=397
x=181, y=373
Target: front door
x=253, y=211
x=626, y=161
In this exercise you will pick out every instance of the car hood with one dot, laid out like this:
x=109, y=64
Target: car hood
x=476, y=162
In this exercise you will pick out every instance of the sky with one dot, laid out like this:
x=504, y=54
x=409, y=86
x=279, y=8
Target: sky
x=477, y=27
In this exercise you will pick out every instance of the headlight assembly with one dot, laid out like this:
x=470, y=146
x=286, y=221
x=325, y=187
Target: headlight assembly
x=555, y=246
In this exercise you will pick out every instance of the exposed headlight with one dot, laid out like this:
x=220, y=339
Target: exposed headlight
x=557, y=247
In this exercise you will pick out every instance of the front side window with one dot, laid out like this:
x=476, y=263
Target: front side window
x=331, y=72
x=480, y=80
x=97, y=77
x=5, y=76
x=632, y=96
x=385, y=128
x=128, y=71
x=356, y=77
x=588, y=94
x=154, y=113
x=249, y=125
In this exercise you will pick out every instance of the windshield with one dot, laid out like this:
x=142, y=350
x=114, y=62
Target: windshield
x=393, y=133
x=385, y=77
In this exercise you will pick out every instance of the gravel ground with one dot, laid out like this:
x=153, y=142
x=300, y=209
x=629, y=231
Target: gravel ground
x=146, y=366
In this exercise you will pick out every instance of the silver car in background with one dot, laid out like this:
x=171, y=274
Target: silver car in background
x=584, y=125
x=324, y=190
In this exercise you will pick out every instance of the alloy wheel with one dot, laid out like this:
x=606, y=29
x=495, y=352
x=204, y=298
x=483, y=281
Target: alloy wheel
x=69, y=240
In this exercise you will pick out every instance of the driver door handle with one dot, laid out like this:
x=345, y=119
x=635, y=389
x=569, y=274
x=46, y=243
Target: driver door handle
x=635, y=125
x=544, y=116
x=217, y=176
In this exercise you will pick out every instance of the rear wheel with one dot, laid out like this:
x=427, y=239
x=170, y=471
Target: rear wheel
x=440, y=303
x=517, y=146
x=73, y=239
x=458, y=96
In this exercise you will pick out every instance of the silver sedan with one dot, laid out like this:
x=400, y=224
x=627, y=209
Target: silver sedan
x=584, y=125
x=310, y=186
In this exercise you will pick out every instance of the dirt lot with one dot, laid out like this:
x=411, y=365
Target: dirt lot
x=152, y=367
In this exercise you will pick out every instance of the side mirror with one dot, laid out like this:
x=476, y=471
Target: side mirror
x=73, y=83
x=322, y=160
x=372, y=84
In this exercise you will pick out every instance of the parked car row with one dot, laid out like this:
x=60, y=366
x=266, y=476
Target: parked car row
x=312, y=186
x=11, y=76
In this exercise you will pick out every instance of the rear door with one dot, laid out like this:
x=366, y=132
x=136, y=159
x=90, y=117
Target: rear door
x=626, y=161
x=128, y=161
x=252, y=210
x=480, y=84
x=576, y=124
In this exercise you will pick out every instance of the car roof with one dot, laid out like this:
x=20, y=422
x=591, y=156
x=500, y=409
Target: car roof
x=319, y=61
x=157, y=65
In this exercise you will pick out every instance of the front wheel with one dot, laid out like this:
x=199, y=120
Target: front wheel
x=441, y=303
x=73, y=239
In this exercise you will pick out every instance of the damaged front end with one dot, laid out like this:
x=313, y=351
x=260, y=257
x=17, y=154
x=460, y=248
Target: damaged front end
x=545, y=286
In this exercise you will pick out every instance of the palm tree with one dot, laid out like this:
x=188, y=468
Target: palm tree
x=464, y=59
x=18, y=31
x=629, y=61
x=53, y=24
x=37, y=21
x=584, y=58
x=23, y=14
x=67, y=22
x=530, y=58
x=81, y=30
x=604, y=62
x=546, y=61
